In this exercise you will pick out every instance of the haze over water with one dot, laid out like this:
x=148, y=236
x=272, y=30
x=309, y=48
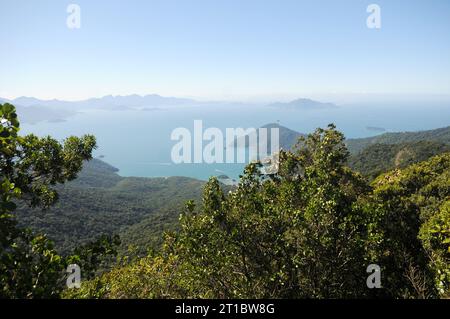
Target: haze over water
x=138, y=142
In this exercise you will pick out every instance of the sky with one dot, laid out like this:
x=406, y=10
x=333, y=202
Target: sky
x=223, y=49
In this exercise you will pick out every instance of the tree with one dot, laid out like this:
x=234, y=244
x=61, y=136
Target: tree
x=297, y=234
x=330, y=227
x=309, y=231
x=410, y=229
x=435, y=234
x=30, y=167
x=94, y=255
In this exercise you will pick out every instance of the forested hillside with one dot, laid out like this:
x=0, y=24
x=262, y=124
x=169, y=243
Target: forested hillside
x=288, y=138
x=101, y=202
x=379, y=158
x=437, y=135
x=310, y=231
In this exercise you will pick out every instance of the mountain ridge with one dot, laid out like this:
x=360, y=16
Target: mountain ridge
x=356, y=145
x=132, y=100
x=303, y=104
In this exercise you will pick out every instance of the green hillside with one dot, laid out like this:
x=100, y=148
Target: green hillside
x=378, y=158
x=438, y=135
x=288, y=138
x=308, y=231
x=101, y=202
x=302, y=235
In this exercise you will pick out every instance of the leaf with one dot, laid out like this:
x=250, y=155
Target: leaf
x=4, y=133
x=8, y=108
x=9, y=206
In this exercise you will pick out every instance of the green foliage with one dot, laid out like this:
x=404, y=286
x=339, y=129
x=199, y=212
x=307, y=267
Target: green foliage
x=29, y=266
x=440, y=135
x=309, y=231
x=30, y=167
x=380, y=158
x=435, y=234
x=288, y=138
x=101, y=202
x=95, y=256
x=148, y=277
x=404, y=204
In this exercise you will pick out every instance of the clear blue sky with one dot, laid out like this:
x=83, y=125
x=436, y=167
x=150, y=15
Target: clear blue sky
x=223, y=48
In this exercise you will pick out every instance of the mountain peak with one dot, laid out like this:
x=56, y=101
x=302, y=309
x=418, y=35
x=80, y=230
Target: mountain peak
x=303, y=104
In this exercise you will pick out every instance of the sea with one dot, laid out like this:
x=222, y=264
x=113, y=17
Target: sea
x=138, y=141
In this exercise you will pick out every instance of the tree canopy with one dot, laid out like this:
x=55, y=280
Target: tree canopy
x=30, y=168
x=309, y=231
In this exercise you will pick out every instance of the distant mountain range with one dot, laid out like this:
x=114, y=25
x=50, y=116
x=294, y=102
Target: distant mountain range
x=107, y=101
x=38, y=113
x=33, y=110
x=150, y=100
x=303, y=104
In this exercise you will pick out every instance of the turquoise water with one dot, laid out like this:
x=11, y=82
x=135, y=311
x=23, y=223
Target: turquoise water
x=138, y=142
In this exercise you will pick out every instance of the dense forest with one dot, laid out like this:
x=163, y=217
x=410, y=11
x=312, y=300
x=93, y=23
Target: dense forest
x=437, y=135
x=308, y=231
x=379, y=158
x=139, y=210
x=101, y=202
x=289, y=138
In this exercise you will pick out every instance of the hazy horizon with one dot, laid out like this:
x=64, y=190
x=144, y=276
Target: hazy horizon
x=94, y=66
x=228, y=50
x=271, y=97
